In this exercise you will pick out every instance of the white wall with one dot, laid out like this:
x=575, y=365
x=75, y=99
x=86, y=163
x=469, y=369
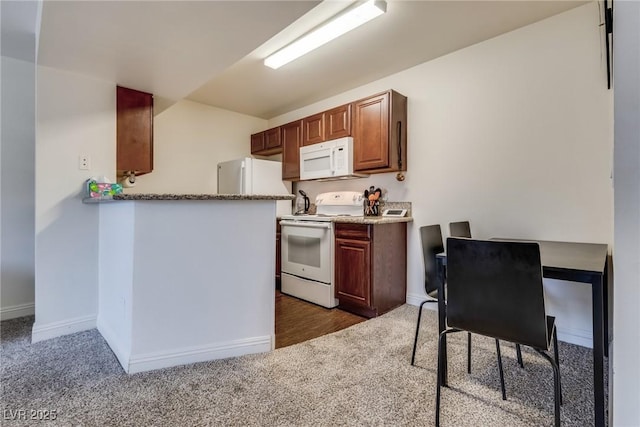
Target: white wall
x=75, y=115
x=513, y=134
x=626, y=343
x=189, y=141
x=17, y=188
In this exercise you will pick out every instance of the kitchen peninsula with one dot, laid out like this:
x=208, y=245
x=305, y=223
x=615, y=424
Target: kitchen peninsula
x=186, y=278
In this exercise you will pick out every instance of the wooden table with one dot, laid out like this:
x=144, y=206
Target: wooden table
x=574, y=262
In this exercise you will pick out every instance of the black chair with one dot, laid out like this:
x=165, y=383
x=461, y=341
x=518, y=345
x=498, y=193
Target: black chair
x=494, y=288
x=460, y=229
x=463, y=229
x=431, y=238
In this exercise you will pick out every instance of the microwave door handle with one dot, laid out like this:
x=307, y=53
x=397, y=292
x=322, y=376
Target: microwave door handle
x=332, y=160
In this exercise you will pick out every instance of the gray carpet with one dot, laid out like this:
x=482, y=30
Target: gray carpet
x=360, y=376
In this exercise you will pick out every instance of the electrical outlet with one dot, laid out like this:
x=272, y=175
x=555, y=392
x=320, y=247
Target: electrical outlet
x=84, y=162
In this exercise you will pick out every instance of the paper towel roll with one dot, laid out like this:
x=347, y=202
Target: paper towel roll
x=129, y=181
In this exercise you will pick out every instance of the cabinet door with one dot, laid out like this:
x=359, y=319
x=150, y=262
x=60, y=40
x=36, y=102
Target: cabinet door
x=134, y=123
x=272, y=139
x=380, y=133
x=267, y=142
x=291, y=140
x=313, y=127
x=353, y=272
x=371, y=133
x=257, y=142
x=337, y=122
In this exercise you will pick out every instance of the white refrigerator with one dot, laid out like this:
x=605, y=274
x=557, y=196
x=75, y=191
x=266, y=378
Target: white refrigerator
x=254, y=176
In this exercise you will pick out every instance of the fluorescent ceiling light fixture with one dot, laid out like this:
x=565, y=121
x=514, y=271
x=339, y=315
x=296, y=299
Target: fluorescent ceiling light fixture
x=328, y=31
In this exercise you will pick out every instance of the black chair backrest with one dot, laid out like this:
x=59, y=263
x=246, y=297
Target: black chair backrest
x=431, y=237
x=460, y=229
x=494, y=288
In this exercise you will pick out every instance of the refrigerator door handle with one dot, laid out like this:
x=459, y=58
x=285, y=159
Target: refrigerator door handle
x=243, y=187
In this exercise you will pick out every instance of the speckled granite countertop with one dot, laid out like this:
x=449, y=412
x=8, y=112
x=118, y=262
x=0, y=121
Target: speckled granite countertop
x=151, y=196
x=368, y=219
x=371, y=219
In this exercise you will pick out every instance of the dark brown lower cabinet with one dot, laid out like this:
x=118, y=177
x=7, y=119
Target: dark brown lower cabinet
x=371, y=267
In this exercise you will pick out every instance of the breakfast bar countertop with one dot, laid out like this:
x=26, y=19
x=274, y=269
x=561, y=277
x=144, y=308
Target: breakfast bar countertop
x=153, y=196
x=167, y=196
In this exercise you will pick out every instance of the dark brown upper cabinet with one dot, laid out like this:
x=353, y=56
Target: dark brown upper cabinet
x=337, y=122
x=134, y=131
x=328, y=125
x=313, y=129
x=272, y=139
x=291, y=143
x=380, y=133
x=266, y=142
x=257, y=143
x=378, y=125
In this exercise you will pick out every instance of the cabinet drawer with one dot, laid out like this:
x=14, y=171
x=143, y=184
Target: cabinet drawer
x=353, y=231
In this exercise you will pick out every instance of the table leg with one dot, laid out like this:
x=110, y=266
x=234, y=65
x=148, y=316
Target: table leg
x=442, y=318
x=605, y=307
x=597, y=284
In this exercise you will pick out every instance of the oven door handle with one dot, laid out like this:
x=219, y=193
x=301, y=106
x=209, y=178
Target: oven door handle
x=306, y=224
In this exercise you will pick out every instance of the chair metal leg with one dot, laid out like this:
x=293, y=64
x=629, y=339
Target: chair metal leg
x=469, y=352
x=439, y=374
x=504, y=393
x=415, y=341
x=519, y=354
x=557, y=358
x=556, y=386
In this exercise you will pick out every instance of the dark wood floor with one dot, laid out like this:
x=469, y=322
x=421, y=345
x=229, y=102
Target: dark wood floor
x=298, y=320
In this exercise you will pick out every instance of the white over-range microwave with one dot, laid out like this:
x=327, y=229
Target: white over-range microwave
x=328, y=160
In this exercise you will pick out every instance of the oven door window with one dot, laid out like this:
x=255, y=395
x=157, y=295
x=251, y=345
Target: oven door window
x=306, y=252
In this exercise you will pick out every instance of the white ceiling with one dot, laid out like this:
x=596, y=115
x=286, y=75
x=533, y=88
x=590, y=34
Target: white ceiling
x=212, y=51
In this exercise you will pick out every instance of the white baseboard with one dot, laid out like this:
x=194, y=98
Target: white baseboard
x=166, y=359
x=15, y=311
x=579, y=337
x=117, y=346
x=575, y=336
x=416, y=299
x=64, y=327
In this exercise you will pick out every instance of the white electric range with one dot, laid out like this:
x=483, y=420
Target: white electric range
x=307, y=256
